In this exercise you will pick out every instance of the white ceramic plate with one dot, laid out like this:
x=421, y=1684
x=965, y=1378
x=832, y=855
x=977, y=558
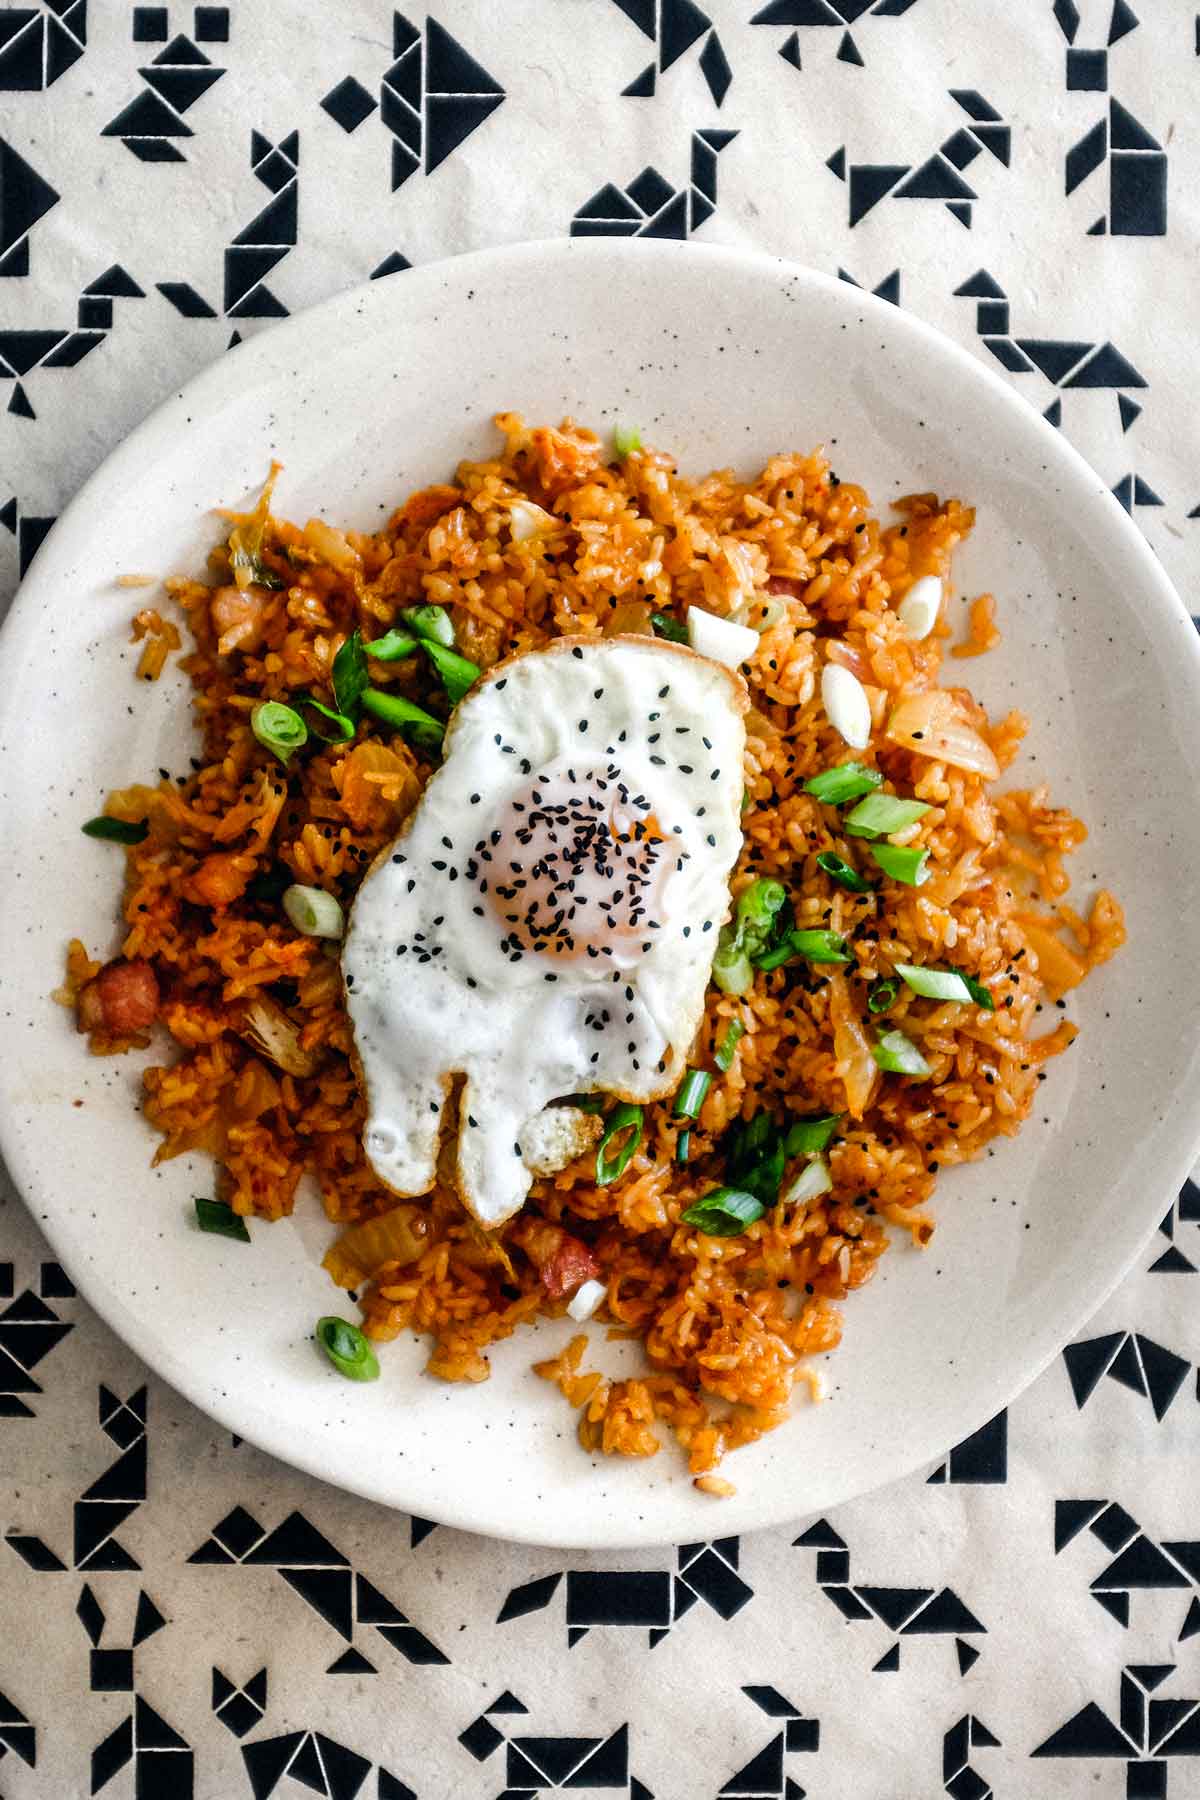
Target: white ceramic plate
x=726, y=358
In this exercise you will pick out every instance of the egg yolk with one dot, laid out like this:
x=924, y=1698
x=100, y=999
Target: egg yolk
x=575, y=866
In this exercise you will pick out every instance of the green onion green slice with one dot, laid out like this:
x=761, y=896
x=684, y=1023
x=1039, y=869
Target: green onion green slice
x=278, y=728
x=898, y=1055
x=842, y=873
x=833, y=787
x=314, y=912
x=756, y=917
x=625, y=1122
x=432, y=622
x=349, y=675
x=882, y=994
x=814, y=946
x=735, y=1031
x=626, y=439
x=683, y=1146
x=116, y=831
x=458, y=673
x=725, y=1212
x=808, y=1137
x=667, y=627
x=981, y=995
x=424, y=730
x=934, y=984
x=347, y=1348
x=220, y=1219
x=693, y=1090
x=343, y=728
x=393, y=646
x=902, y=864
x=881, y=814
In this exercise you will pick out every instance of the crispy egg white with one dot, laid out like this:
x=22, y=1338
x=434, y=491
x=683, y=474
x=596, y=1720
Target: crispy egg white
x=546, y=921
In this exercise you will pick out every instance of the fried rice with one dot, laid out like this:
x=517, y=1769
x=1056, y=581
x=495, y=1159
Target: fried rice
x=260, y=1074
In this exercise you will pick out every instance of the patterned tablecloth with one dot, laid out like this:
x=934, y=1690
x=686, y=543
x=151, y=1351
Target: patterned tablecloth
x=1025, y=1618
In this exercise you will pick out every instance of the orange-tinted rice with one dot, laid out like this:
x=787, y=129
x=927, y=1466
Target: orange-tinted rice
x=260, y=1074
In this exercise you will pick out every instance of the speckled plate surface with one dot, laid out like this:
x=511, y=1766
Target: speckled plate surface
x=726, y=358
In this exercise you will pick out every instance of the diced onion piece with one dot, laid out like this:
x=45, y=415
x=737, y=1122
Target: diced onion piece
x=722, y=640
x=919, y=609
x=762, y=612
x=313, y=911
x=810, y=1183
x=846, y=705
x=525, y=520
x=931, y=724
x=584, y=1302
x=332, y=545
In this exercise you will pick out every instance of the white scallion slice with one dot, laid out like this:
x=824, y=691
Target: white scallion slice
x=810, y=1184
x=526, y=520
x=934, y=984
x=584, y=1302
x=313, y=911
x=722, y=640
x=919, y=609
x=846, y=705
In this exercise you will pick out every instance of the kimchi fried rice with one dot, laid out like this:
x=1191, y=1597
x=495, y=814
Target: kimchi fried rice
x=891, y=1081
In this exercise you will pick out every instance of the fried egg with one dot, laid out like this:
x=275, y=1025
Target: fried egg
x=545, y=922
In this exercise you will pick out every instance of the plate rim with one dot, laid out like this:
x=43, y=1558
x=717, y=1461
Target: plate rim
x=1179, y=1129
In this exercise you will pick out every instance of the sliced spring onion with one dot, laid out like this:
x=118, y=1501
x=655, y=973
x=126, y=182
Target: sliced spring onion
x=431, y=622
x=721, y=640
x=585, y=1300
x=693, y=1090
x=898, y=1055
x=626, y=439
x=808, y=1137
x=833, y=787
x=842, y=873
x=683, y=1146
x=393, y=646
x=347, y=1348
x=846, y=705
x=757, y=908
x=116, y=831
x=881, y=814
x=755, y=917
x=902, y=864
x=625, y=1121
x=278, y=728
x=814, y=946
x=934, y=984
x=349, y=675
x=343, y=728
x=220, y=1219
x=755, y=1157
x=735, y=1031
x=812, y=1181
x=667, y=627
x=882, y=994
x=725, y=1212
x=424, y=730
x=458, y=673
x=981, y=995
x=919, y=609
x=314, y=912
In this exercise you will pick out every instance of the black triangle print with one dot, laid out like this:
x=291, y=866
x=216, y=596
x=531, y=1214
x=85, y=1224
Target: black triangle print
x=889, y=1662
x=290, y=147
x=450, y=119
x=147, y=116
x=967, y=1655
x=641, y=12
x=1165, y=1372
x=1191, y=1624
x=95, y=1522
x=405, y=75
x=798, y=12
x=790, y=51
x=1126, y=1367
x=1141, y=1565
x=1116, y=1604
x=62, y=49
x=1071, y=1517
x=681, y=23
x=1150, y=1675
x=276, y=223
x=895, y=1606
x=555, y=1757
x=267, y=1760
x=151, y=1731
x=1086, y=1362
x=1189, y=1193
x=449, y=69
x=329, y=1591
x=671, y=222
x=1144, y=495
x=1130, y=411
x=997, y=139
x=936, y=179
x=21, y=406
x=507, y=1703
x=642, y=86
x=295, y=1543
x=1187, y=1554
x=945, y=1612
x=848, y=52
x=836, y=163
x=772, y=1702
x=1107, y=368
x=148, y=1619
x=1089, y=1733
x=351, y=1662
x=792, y=1790
x=1123, y=491
x=763, y=1774
x=126, y=1480
x=419, y=1529
x=305, y=1766
x=520, y=1770
x=345, y=1770
x=373, y=1607
x=181, y=88
x=607, y=1766
x=1125, y=131
x=181, y=50
x=608, y=203
x=1123, y=21
x=820, y=1536
x=392, y=1789
x=222, y=1689
x=869, y=183
x=8, y=514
